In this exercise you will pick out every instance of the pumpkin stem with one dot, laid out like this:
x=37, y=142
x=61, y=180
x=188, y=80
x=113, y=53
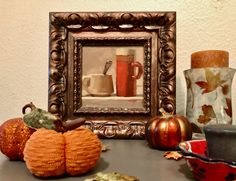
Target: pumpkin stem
x=39, y=118
x=72, y=124
x=63, y=126
x=164, y=113
x=30, y=105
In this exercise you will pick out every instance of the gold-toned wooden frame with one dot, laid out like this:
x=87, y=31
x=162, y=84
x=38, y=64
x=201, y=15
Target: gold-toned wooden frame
x=155, y=31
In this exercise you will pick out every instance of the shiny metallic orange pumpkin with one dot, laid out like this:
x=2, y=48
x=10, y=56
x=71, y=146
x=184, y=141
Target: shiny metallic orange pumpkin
x=13, y=136
x=167, y=131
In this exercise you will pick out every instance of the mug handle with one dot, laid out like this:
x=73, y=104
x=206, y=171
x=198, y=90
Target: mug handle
x=140, y=70
x=86, y=83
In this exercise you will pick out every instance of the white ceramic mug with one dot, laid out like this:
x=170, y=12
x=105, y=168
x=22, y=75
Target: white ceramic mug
x=98, y=84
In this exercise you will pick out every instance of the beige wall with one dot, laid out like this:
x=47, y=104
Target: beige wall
x=201, y=24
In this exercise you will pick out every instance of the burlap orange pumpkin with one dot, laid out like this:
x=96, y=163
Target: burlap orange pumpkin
x=13, y=136
x=48, y=153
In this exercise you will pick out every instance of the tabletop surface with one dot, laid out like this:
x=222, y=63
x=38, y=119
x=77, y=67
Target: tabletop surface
x=130, y=157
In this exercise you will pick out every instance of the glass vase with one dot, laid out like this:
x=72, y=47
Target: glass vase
x=209, y=96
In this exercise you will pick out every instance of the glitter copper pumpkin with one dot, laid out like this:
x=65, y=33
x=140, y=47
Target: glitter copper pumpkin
x=13, y=136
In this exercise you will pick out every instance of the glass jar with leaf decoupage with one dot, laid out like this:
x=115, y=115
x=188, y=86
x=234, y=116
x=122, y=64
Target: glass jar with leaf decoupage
x=209, y=89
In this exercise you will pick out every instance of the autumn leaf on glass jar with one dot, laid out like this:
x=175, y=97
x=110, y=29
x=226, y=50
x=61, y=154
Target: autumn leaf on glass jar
x=203, y=119
x=188, y=82
x=208, y=111
x=189, y=87
x=228, y=110
x=208, y=114
x=225, y=89
x=212, y=82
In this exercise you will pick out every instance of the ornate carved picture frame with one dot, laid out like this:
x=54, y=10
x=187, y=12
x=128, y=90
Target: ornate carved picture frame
x=78, y=41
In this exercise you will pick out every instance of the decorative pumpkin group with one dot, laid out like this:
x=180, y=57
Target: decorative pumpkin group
x=167, y=131
x=50, y=153
x=47, y=152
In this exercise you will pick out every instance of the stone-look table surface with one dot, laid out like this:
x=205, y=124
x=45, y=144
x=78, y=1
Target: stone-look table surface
x=131, y=157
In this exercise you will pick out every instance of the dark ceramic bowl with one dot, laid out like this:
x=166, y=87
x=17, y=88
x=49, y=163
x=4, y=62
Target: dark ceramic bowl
x=221, y=141
x=203, y=167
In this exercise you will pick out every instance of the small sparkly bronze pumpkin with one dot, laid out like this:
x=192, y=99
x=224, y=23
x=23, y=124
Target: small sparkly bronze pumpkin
x=13, y=136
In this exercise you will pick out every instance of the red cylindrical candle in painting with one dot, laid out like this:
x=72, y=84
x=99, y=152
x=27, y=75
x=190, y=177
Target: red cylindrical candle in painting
x=125, y=72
